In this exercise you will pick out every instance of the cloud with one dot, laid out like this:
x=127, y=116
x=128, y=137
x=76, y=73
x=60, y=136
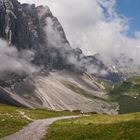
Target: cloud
x=95, y=27
x=13, y=61
x=55, y=39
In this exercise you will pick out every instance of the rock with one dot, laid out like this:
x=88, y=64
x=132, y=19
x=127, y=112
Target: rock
x=28, y=27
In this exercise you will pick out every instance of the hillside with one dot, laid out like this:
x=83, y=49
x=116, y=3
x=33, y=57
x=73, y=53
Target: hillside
x=74, y=80
x=127, y=94
x=97, y=127
x=53, y=92
x=91, y=126
x=9, y=116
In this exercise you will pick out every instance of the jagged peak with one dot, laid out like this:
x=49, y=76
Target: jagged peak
x=44, y=11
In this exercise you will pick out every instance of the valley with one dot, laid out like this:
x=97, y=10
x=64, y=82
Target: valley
x=89, y=126
x=127, y=94
x=74, y=80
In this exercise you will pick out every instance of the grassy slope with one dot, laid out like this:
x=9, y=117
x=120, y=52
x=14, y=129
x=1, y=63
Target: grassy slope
x=43, y=114
x=11, y=120
x=127, y=94
x=97, y=127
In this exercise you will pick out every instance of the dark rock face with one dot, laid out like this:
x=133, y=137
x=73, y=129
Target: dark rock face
x=20, y=24
x=23, y=26
x=35, y=28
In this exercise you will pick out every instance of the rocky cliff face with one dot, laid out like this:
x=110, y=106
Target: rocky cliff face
x=23, y=26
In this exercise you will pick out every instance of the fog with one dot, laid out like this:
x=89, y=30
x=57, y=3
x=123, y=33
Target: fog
x=11, y=60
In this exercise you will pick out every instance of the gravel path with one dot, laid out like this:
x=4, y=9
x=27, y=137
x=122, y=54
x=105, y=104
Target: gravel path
x=35, y=130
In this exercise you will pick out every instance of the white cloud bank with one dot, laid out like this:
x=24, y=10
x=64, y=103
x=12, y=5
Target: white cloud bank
x=11, y=60
x=95, y=27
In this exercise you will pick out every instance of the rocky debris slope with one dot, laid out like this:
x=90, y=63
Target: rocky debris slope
x=51, y=92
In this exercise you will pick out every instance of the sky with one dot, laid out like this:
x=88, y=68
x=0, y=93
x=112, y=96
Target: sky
x=108, y=27
x=130, y=9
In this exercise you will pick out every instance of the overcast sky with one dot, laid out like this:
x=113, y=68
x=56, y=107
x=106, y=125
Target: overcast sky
x=95, y=26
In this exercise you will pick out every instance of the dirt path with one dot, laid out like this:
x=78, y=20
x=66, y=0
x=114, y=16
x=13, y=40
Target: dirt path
x=25, y=116
x=35, y=130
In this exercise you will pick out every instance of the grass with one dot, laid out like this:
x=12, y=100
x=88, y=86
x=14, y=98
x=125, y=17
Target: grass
x=12, y=121
x=135, y=79
x=97, y=127
x=43, y=113
x=127, y=94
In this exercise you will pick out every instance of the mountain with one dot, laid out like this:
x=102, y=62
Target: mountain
x=65, y=78
x=23, y=26
x=35, y=28
x=126, y=65
x=95, y=66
